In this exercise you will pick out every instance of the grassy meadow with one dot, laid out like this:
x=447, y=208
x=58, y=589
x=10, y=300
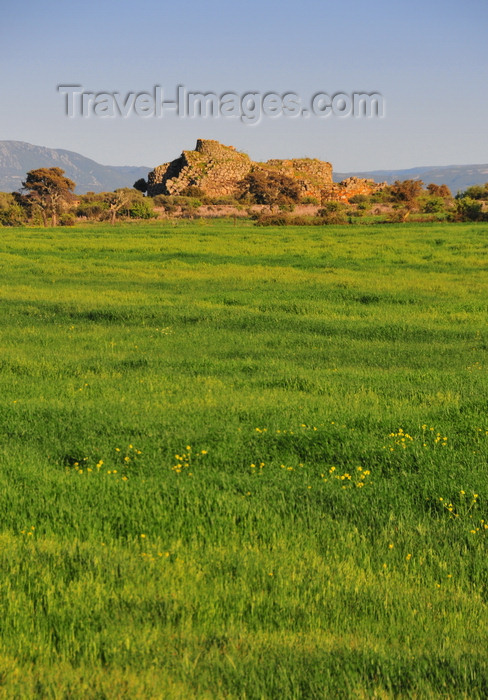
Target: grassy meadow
x=244, y=463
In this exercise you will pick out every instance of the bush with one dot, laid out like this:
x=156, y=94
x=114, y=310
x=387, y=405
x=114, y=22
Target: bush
x=67, y=219
x=304, y=221
x=92, y=209
x=333, y=218
x=433, y=205
x=468, y=209
x=333, y=213
x=358, y=199
x=193, y=191
x=12, y=215
x=288, y=207
x=189, y=210
x=223, y=200
x=162, y=200
x=331, y=207
x=272, y=220
x=268, y=187
x=475, y=192
x=439, y=190
x=397, y=216
x=406, y=190
x=142, y=209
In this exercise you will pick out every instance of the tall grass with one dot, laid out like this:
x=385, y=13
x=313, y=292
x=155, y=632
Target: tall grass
x=243, y=463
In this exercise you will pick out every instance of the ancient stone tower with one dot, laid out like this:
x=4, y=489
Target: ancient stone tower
x=214, y=168
x=217, y=170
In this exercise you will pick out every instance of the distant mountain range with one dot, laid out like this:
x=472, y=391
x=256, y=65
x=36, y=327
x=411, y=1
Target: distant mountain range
x=456, y=177
x=18, y=157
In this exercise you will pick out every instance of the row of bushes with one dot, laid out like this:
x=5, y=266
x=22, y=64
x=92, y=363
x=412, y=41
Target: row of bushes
x=399, y=202
x=337, y=213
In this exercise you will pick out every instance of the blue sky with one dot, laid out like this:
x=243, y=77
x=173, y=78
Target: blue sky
x=429, y=60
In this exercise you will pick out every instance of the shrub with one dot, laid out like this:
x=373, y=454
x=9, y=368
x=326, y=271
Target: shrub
x=304, y=221
x=332, y=213
x=193, y=191
x=468, y=209
x=67, y=219
x=439, y=190
x=223, y=200
x=406, y=190
x=433, y=205
x=162, y=200
x=330, y=207
x=475, y=192
x=12, y=215
x=142, y=209
x=289, y=207
x=358, y=199
x=397, y=216
x=272, y=220
x=271, y=188
x=92, y=209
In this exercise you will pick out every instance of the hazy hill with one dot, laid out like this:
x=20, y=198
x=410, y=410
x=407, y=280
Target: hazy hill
x=456, y=177
x=18, y=157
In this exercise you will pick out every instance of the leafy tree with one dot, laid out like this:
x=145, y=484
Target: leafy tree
x=469, y=209
x=116, y=201
x=140, y=185
x=142, y=210
x=406, y=191
x=11, y=212
x=48, y=188
x=271, y=188
x=92, y=206
x=433, y=205
x=128, y=202
x=439, y=190
x=475, y=192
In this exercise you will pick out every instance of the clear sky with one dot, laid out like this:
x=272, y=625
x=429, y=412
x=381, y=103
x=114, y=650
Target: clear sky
x=429, y=60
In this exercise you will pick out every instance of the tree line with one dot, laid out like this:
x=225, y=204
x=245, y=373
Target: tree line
x=48, y=198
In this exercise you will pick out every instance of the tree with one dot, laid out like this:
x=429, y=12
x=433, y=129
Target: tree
x=11, y=212
x=469, y=209
x=475, y=192
x=406, y=191
x=116, y=201
x=48, y=188
x=140, y=185
x=268, y=187
x=434, y=205
x=439, y=190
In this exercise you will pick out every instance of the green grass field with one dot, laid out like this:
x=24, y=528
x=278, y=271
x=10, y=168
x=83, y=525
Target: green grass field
x=244, y=463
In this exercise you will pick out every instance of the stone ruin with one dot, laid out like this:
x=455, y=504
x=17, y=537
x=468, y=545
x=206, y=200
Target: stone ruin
x=212, y=167
x=352, y=186
x=217, y=170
